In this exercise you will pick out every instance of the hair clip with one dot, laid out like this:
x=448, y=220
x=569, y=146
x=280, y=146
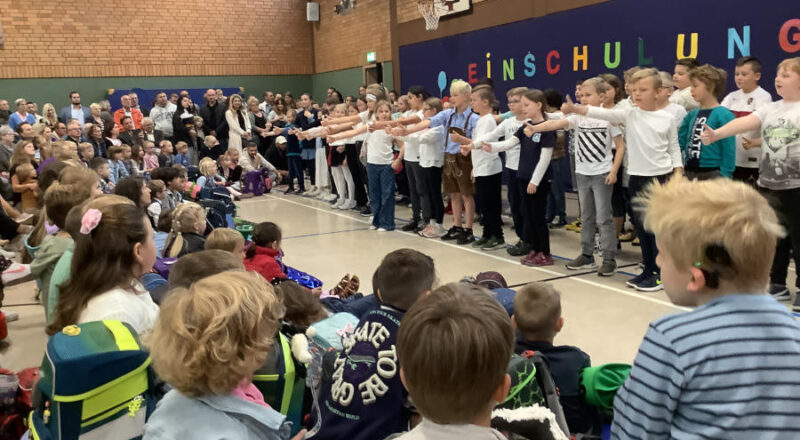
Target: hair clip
x=51, y=229
x=90, y=221
x=371, y=97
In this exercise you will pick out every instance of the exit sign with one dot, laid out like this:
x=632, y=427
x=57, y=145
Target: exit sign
x=371, y=57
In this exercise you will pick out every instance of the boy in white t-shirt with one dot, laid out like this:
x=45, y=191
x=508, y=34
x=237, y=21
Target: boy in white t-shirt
x=653, y=155
x=742, y=102
x=683, y=96
x=779, y=173
x=596, y=169
x=664, y=93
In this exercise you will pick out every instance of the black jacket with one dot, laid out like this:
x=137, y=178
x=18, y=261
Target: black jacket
x=305, y=123
x=131, y=138
x=214, y=119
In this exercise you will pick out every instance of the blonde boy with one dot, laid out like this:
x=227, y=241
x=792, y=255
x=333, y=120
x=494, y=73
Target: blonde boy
x=728, y=368
x=226, y=239
x=664, y=93
x=441, y=337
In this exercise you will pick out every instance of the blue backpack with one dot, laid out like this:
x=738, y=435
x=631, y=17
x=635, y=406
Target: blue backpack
x=95, y=383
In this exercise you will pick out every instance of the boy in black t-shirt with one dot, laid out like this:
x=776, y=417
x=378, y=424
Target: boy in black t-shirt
x=537, y=318
x=365, y=399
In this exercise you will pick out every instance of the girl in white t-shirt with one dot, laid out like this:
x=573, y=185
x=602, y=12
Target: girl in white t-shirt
x=114, y=249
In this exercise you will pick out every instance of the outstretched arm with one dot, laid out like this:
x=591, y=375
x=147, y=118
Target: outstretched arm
x=750, y=122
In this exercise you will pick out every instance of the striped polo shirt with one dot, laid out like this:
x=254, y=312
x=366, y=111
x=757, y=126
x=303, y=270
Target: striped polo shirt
x=729, y=369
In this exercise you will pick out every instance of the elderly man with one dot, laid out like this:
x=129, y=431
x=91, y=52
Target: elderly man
x=221, y=98
x=161, y=115
x=135, y=103
x=21, y=115
x=6, y=149
x=128, y=110
x=75, y=110
x=130, y=135
x=74, y=132
x=151, y=133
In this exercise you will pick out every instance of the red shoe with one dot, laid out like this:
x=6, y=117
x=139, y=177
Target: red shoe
x=545, y=260
x=530, y=259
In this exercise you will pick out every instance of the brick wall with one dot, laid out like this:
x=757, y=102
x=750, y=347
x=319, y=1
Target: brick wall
x=342, y=41
x=407, y=10
x=99, y=38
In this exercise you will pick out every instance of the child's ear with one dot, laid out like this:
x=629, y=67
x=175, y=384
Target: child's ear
x=757, y=76
x=559, y=324
x=514, y=323
x=501, y=392
x=403, y=378
x=698, y=281
x=137, y=253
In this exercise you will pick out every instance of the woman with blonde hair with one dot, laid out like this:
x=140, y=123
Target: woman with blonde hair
x=261, y=127
x=49, y=115
x=238, y=123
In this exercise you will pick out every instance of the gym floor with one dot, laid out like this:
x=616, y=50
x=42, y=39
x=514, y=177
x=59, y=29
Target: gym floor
x=603, y=316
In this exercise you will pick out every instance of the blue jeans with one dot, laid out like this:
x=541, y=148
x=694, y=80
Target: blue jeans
x=556, y=203
x=381, y=195
x=296, y=172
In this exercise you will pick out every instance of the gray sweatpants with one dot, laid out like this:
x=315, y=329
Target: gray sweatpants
x=595, y=199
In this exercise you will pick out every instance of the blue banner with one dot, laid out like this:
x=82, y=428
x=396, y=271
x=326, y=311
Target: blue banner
x=558, y=50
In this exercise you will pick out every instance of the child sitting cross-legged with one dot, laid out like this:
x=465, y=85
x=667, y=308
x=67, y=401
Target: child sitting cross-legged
x=365, y=399
x=537, y=318
x=454, y=347
x=208, y=342
x=727, y=368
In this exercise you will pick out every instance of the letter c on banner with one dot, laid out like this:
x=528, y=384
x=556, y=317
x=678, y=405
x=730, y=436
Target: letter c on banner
x=789, y=36
x=552, y=70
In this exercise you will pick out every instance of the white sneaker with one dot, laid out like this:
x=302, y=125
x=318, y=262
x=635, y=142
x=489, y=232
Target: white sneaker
x=330, y=197
x=323, y=194
x=350, y=204
x=372, y=227
x=15, y=272
x=341, y=204
x=382, y=230
x=313, y=193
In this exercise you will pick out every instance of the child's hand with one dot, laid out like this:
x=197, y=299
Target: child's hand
x=530, y=129
x=487, y=148
x=307, y=114
x=532, y=188
x=396, y=164
x=340, y=149
x=708, y=136
x=568, y=107
x=302, y=434
x=611, y=178
x=466, y=149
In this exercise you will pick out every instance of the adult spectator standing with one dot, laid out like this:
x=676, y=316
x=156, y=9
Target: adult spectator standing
x=213, y=114
x=238, y=124
x=126, y=110
x=33, y=109
x=74, y=132
x=173, y=99
x=135, y=104
x=6, y=149
x=49, y=115
x=5, y=112
x=221, y=98
x=183, y=121
x=269, y=100
x=258, y=122
x=151, y=133
x=21, y=115
x=161, y=114
x=75, y=110
x=130, y=135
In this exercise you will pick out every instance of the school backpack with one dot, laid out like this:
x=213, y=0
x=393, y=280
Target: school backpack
x=255, y=183
x=192, y=173
x=95, y=383
x=281, y=382
x=224, y=196
x=216, y=214
x=532, y=385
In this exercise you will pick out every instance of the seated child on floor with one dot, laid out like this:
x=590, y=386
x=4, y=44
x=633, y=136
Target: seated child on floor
x=366, y=400
x=192, y=268
x=226, y=239
x=537, y=317
x=208, y=342
x=264, y=255
x=186, y=235
x=440, y=339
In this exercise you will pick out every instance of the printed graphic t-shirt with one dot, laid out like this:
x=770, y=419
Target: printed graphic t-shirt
x=780, y=145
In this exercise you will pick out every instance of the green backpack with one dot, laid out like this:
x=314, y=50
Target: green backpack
x=282, y=385
x=95, y=383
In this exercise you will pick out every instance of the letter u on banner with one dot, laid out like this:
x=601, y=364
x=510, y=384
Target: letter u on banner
x=679, y=51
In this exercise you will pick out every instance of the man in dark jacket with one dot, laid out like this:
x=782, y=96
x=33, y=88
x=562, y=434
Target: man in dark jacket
x=130, y=136
x=213, y=114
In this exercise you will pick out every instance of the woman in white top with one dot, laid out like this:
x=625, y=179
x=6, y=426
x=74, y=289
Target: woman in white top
x=113, y=249
x=238, y=123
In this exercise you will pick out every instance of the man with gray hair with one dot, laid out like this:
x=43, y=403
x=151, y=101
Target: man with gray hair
x=151, y=133
x=74, y=132
x=6, y=149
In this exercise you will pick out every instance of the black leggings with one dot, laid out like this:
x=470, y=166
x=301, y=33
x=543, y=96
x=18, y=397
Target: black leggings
x=431, y=197
x=8, y=227
x=534, y=209
x=356, y=170
x=488, y=192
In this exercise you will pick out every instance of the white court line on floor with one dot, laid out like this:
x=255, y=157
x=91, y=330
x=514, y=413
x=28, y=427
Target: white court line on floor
x=496, y=257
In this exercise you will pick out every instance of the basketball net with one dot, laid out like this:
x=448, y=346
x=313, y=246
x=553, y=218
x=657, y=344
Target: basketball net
x=427, y=8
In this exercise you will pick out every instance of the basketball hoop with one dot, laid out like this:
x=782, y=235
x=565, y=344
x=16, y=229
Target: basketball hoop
x=428, y=10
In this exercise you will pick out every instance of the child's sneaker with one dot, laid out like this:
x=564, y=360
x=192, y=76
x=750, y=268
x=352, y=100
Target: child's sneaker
x=582, y=262
x=366, y=212
x=538, y=259
x=383, y=230
x=480, y=242
x=289, y=191
x=628, y=236
x=519, y=249
x=780, y=292
x=372, y=227
x=607, y=269
x=574, y=226
x=635, y=280
x=557, y=223
x=650, y=283
x=350, y=205
x=453, y=233
x=437, y=231
x=330, y=197
x=493, y=243
x=466, y=237
x=410, y=226
x=530, y=259
x=15, y=272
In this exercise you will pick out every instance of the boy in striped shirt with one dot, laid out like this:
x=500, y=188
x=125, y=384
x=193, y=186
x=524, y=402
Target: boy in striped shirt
x=729, y=368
